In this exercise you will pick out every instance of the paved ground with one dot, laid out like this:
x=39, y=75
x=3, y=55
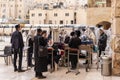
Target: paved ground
x=7, y=73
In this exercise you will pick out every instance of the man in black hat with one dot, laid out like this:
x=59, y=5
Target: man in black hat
x=74, y=43
x=40, y=61
x=17, y=46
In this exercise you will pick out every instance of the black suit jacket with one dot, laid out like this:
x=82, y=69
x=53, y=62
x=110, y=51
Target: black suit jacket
x=102, y=41
x=17, y=40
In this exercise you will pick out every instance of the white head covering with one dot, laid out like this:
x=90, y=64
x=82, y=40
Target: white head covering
x=102, y=29
x=31, y=34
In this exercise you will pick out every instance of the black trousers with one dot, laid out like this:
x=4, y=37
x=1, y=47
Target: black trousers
x=18, y=52
x=100, y=52
x=73, y=60
x=29, y=57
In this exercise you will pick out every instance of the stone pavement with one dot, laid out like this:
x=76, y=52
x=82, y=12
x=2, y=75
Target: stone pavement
x=7, y=71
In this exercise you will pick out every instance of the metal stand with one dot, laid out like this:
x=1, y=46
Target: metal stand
x=52, y=59
x=65, y=56
x=88, y=58
x=76, y=70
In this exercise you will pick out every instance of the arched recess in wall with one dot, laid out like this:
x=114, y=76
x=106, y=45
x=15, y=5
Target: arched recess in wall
x=106, y=25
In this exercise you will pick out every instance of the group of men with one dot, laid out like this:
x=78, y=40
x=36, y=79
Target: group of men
x=41, y=39
x=17, y=48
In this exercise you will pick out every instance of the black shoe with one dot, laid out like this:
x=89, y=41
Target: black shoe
x=31, y=65
x=21, y=70
x=15, y=70
x=73, y=68
x=41, y=77
x=36, y=76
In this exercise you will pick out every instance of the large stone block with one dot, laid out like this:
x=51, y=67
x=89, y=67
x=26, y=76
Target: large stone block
x=117, y=3
x=116, y=61
x=116, y=64
x=116, y=23
x=117, y=57
x=116, y=71
x=117, y=11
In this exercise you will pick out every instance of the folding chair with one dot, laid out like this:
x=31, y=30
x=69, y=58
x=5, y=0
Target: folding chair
x=7, y=54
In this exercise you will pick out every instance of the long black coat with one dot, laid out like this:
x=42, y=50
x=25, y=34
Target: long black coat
x=102, y=42
x=40, y=62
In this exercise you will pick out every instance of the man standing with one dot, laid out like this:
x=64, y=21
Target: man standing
x=102, y=43
x=74, y=43
x=17, y=46
x=40, y=61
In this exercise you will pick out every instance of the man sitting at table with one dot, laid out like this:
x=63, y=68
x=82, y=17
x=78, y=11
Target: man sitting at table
x=56, y=54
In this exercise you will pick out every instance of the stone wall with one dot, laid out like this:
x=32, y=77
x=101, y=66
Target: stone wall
x=116, y=64
x=116, y=56
x=96, y=15
x=116, y=33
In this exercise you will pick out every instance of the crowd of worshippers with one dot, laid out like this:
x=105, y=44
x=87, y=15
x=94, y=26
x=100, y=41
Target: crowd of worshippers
x=39, y=43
